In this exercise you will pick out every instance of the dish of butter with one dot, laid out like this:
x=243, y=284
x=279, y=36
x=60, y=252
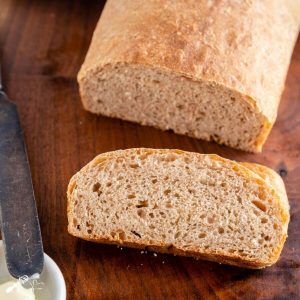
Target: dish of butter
x=13, y=290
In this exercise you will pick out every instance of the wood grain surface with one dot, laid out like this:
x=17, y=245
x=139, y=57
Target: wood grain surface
x=44, y=44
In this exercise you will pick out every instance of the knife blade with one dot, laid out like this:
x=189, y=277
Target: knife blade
x=18, y=213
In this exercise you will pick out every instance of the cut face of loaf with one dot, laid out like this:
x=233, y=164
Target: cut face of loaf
x=213, y=70
x=160, y=98
x=182, y=203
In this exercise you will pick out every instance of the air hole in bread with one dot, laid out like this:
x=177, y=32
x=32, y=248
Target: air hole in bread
x=275, y=226
x=121, y=235
x=78, y=227
x=202, y=235
x=87, y=224
x=245, y=184
x=169, y=204
x=162, y=214
x=108, y=184
x=89, y=231
x=260, y=205
x=141, y=214
x=154, y=181
x=131, y=196
x=96, y=187
x=143, y=203
x=264, y=220
x=151, y=215
x=167, y=192
x=210, y=220
x=177, y=234
x=221, y=230
x=136, y=233
x=134, y=166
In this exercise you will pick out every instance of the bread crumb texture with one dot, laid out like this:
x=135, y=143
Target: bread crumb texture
x=182, y=203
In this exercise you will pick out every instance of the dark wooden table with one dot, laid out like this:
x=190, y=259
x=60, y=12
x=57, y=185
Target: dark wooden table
x=44, y=44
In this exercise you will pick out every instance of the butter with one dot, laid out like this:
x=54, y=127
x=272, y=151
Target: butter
x=13, y=290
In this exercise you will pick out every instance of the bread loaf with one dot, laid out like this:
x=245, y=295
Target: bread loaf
x=213, y=70
x=182, y=203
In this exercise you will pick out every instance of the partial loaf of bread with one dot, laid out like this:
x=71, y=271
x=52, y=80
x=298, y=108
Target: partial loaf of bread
x=213, y=70
x=190, y=204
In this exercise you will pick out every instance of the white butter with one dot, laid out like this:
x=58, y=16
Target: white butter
x=13, y=290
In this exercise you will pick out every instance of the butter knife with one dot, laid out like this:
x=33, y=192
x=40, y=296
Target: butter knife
x=18, y=214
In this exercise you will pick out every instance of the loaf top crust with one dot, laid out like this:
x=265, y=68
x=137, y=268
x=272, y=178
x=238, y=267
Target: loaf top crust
x=243, y=45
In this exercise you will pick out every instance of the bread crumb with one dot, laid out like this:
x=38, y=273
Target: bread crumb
x=155, y=254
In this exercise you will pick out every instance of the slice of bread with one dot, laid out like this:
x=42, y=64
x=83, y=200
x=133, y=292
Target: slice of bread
x=190, y=204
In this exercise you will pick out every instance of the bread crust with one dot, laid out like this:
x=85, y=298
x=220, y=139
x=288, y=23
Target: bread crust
x=262, y=175
x=235, y=45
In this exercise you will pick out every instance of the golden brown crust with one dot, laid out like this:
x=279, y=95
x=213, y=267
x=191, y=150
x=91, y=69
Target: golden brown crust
x=244, y=46
x=262, y=175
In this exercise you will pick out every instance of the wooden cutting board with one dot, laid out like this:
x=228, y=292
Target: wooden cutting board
x=44, y=44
